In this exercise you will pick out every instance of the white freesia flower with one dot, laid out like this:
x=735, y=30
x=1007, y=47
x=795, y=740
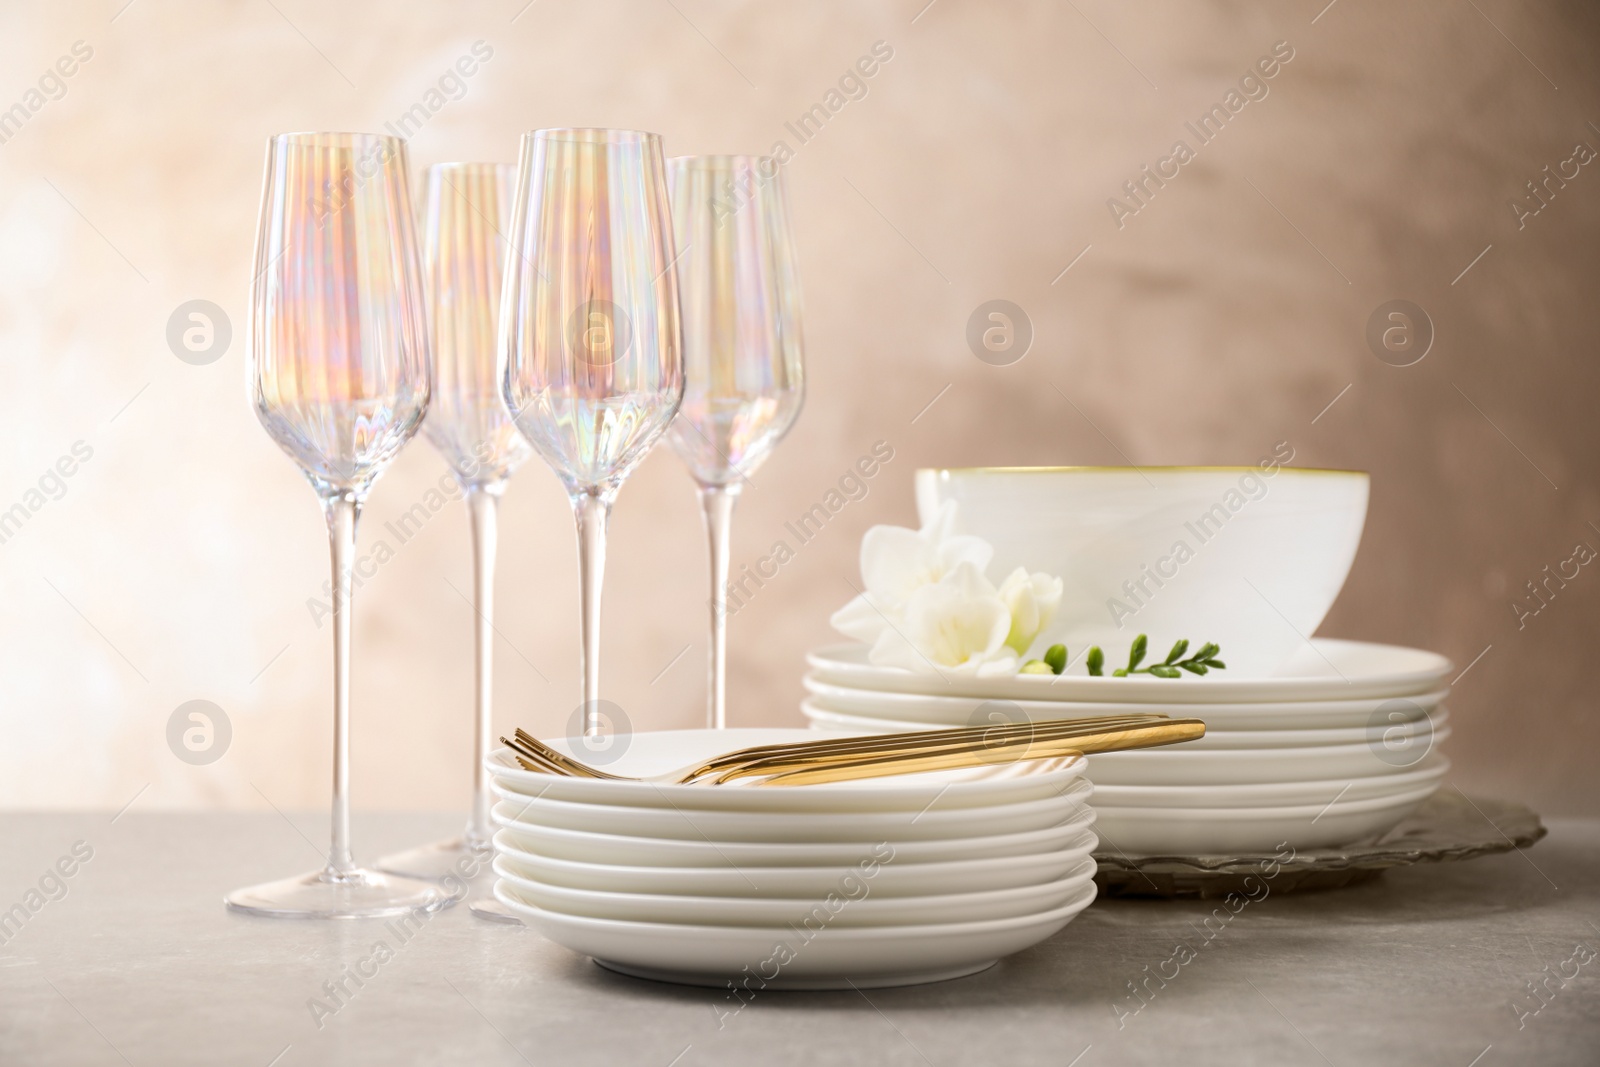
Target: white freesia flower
x=1032, y=600
x=928, y=606
x=957, y=625
x=896, y=562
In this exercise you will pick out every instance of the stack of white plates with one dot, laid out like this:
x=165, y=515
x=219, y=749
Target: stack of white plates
x=1337, y=748
x=884, y=882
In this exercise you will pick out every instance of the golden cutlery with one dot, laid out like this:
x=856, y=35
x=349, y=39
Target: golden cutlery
x=844, y=759
x=990, y=733
x=1147, y=735
x=531, y=749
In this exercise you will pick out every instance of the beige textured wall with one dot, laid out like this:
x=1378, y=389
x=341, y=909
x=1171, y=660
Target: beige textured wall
x=1221, y=318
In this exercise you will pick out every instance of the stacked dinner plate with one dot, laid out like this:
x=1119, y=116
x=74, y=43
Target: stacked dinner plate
x=882, y=882
x=1335, y=748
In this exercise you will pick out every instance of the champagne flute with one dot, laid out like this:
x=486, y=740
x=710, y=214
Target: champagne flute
x=339, y=378
x=589, y=334
x=740, y=296
x=466, y=213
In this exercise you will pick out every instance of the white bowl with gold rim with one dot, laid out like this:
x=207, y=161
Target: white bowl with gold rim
x=1249, y=557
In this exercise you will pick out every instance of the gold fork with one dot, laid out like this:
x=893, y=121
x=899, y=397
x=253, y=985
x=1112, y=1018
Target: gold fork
x=847, y=759
x=531, y=749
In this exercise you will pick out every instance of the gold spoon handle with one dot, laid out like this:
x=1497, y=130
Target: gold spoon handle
x=979, y=755
x=994, y=739
x=766, y=756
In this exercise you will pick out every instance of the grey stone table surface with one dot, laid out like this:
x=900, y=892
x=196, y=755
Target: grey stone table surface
x=133, y=960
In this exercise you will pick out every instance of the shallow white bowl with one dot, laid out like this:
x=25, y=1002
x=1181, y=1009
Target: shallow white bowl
x=1174, y=766
x=1395, y=733
x=851, y=902
x=1148, y=831
x=797, y=826
x=644, y=754
x=782, y=958
x=1274, y=794
x=626, y=850
x=1266, y=555
x=1325, y=668
x=896, y=879
x=959, y=710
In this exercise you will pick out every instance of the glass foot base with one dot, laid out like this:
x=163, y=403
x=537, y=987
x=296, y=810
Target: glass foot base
x=491, y=910
x=357, y=894
x=454, y=863
x=461, y=869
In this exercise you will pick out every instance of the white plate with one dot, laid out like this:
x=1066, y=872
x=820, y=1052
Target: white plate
x=770, y=827
x=644, y=754
x=1395, y=732
x=783, y=958
x=895, y=879
x=851, y=902
x=1173, y=766
x=1324, y=669
x=959, y=711
x=1273, y=794
x=665, y=852
x=1204, y=831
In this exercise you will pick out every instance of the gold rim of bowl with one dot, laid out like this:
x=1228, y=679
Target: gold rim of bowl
x=1126, y=469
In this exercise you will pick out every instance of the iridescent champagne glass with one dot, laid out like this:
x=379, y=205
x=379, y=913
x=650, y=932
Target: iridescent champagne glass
x=739, y=293
x=338, y=357
x=466, y=213
x=589, y=336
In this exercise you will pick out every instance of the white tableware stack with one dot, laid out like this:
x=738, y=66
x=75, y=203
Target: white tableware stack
x=1313, y=743
x=891, y=881
x=1331, y=756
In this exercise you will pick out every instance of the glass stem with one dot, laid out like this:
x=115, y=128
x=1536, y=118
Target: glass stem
x=341, y=508
x=716, y=501
x=592, y=509
x=482, y=505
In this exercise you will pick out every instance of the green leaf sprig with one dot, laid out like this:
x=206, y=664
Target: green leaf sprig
x=1202, y=662
x=1199, y=663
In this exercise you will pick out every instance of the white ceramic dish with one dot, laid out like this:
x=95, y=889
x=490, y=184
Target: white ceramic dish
x=1396, y=733
x=851, y=902
x=657, y=752
x=1173, y=766
x=774, y=827
x=959, y=711
x=667, y=852
x=1273, y=794
x=1147, y=831
x=1325, y=668
x=784, y=958
x=834, y=722
x=894, y=879
x=1228, y=554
